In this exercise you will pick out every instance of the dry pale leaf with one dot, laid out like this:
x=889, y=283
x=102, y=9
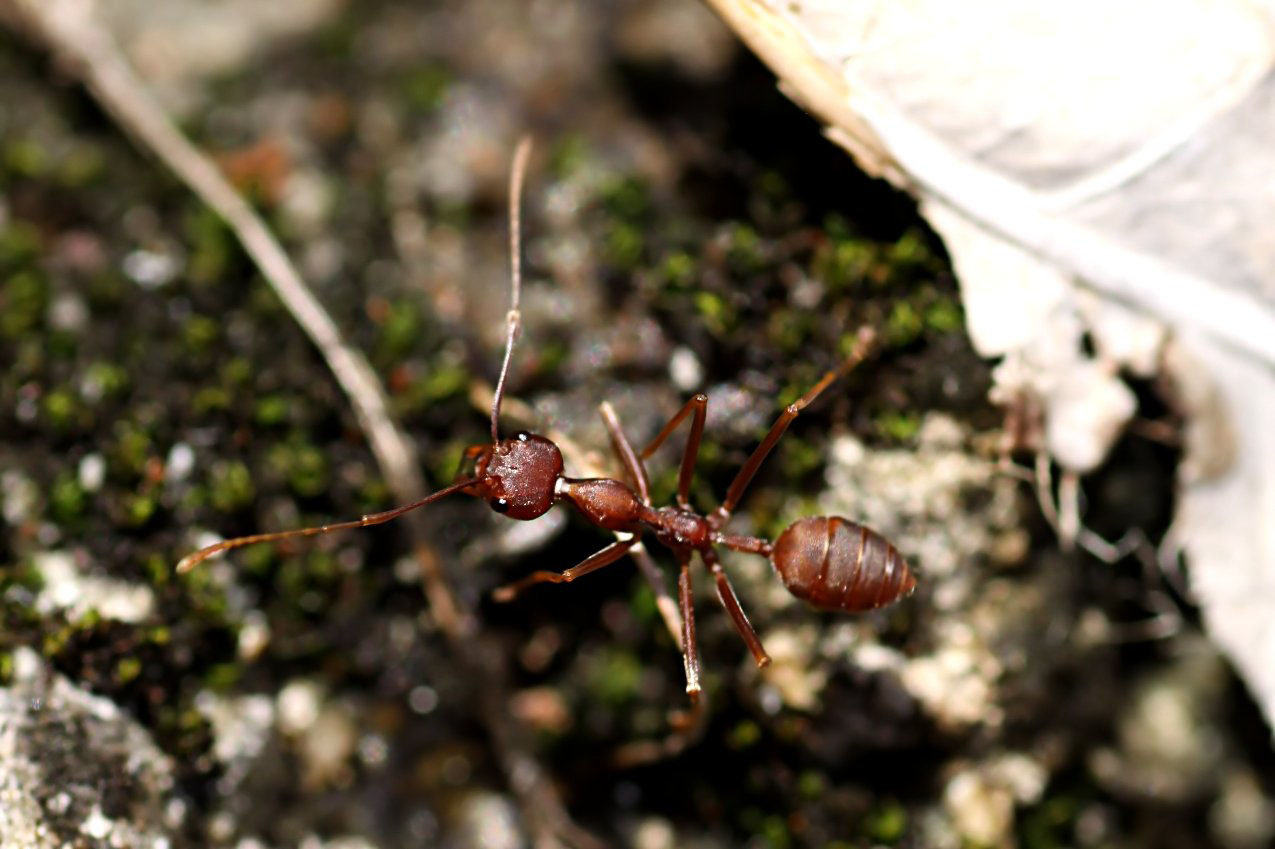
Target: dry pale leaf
x=1094, y=170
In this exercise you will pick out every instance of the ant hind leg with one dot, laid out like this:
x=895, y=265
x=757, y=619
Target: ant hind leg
x=731, y=602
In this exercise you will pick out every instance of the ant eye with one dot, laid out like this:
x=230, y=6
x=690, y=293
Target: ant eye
x=500, y=505
x=522, y=436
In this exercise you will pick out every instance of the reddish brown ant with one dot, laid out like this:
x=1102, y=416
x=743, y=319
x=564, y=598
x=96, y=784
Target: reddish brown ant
x=830, y=562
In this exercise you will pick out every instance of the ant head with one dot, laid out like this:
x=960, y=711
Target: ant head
x=516, y=476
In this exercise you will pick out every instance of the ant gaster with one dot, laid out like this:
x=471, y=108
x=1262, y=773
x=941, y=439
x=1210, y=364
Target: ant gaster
x=830, y=562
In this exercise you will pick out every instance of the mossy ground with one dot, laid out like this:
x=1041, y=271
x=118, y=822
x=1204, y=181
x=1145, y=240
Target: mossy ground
x=153, y=387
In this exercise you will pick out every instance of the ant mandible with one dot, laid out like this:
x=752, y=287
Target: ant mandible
x=830, y=562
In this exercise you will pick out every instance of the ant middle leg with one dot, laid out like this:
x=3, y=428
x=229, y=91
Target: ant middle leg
x=605, y=557
x=690, y=647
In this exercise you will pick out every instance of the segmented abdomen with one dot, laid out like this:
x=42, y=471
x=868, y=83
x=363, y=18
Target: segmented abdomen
x=836, y=564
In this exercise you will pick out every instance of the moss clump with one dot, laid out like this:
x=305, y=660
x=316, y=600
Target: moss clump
x=62, y=410
x=898, y=426
x=199, y=333
x=614, y=676
x=102, y=379
x=424, y=89
x=25, y=297
x=66, y=498
x=272, y=410
x=717, y=314
x=230, y=486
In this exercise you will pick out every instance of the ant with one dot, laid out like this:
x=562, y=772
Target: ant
x=830, y=562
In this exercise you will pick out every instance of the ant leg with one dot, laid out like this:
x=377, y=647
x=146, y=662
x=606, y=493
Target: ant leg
x=731, y=602
x=699, y=406
x=624, y=450
x=690, y=648
x=605, y=557
x=745, y=475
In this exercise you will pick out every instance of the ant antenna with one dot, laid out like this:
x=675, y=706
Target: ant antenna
x=190, y=561
x=513, y=319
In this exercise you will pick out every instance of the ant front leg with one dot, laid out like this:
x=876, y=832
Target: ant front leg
x=605, y=557
x=624, y=450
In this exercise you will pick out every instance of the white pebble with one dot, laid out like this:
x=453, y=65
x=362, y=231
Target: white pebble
x=92, y=472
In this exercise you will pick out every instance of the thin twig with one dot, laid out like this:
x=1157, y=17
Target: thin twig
x=69, y=29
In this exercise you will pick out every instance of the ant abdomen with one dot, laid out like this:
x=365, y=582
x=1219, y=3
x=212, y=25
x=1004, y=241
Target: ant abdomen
x=835, y=564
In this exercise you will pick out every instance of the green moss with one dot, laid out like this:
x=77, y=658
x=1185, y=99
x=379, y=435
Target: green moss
x=23, y=302
x=774, y=831
x=614, y=676
x=718, y=316
x=1050, y=824
x=24, y=575
x=80, y=166
x=159, y=570
x=304, y=465
x=904, y=325
x=790, y=329
x=626, y=198
x=842, y=263
x=811, y=784
x=800, y=457
x=107, y=379
x=909, y=250
x=887, y=822
x=445, y=462
x=20, y=245
x=222, y=677
x=744, y=249
x=678, y=270
x=211, y=246
x=131, y=449
x=237, y=372
x=642, y=603
x=743, y=735
x=230, y=486
x=623, y=246
x=210, y=399
x=424, y=89
x=259, y=559
x=62, y=410
x=310, y=472
x=898, y=426
x=944, y=316
x=138, y=508
x=445, y=380
x=271, y=410
x=66, y=498
x=127, y=669
x=299, y=577
x=199, y=332
x=399, y=332
x=567, y=155
x=26, y=157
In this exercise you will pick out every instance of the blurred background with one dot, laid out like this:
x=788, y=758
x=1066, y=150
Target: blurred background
x=686, y=228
